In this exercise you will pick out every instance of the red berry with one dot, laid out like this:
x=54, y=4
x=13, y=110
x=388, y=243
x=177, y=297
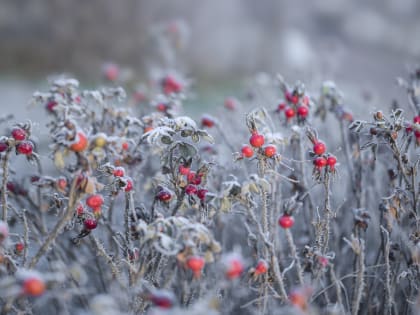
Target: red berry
x=183, y=170
x=19, y=247
x=320, y=162
x=281, y=106
x=164, y=195
x=129, y=185
x=80, y=210
x=270, y=151
x=95, y=201
x=247, y=151
x=294, y=99
x=201, y=193
x=50, y=106
x=61, y=183
x=193, y=178
x=196, y=264
x=303, y=111
x=33, y=286
x=257, y=140
x=289, y=113
x=119, y=171
x=331, y=161
x=124, y=146
x=90, y=224
x=208, y=121
x=230, y=103
x=298, y=299
x=162, y=299
x=3, y=146
x=323, y=261
x=18, y=134
x=319, y=148
x=286, y=221
x=25, y=147
x=11, y=187
x=161, y=107
x=190, y=189
x=261, y=267
x=234, y=268
x=111, y=71
x=416, y=120
x=171, y=85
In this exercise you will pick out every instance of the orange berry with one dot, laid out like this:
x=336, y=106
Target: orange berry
x=33, y=286
x=81, y=144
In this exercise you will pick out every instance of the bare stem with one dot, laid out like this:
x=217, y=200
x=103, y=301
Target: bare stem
x=4, y=186
x=295, y=256
x=388, y=294
x=360, y=284
x=71, y=207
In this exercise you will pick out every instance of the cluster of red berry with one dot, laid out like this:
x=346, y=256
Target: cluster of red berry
x=295, y=103
x=415, y=127
x=171, y=85
x=19, y=141
x=257, y=143
x=321, y=158
x=194, y=180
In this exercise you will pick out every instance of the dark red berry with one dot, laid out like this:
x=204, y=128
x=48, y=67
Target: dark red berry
x=90, y=224
x=286, y=221
x=164, y=195
x=25, y=147
x=18, y=134
x=11, y=187
x=3, y=146
x=162, y=299
x=416, y=120
x=50, y=106
x=194, y=178
x=208, y=121
x=201, y=193
x=190, y=189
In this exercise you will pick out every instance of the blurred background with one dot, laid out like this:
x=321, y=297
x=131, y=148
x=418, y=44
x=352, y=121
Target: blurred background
x=361, y=44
